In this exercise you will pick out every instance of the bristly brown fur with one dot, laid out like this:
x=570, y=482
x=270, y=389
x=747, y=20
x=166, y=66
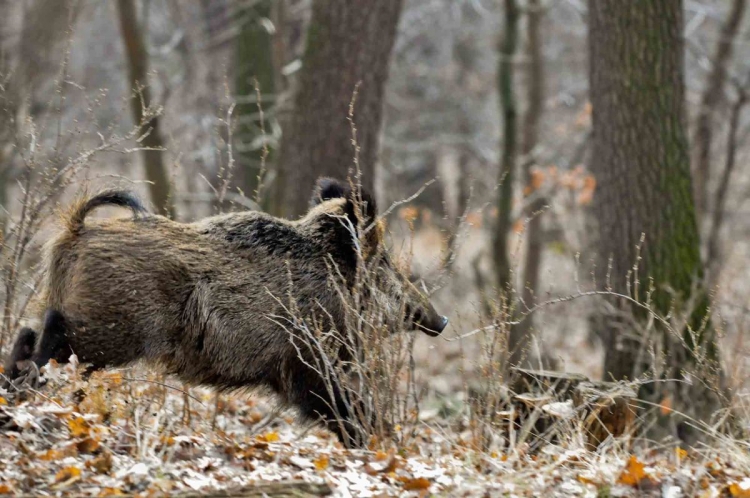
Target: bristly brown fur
x=203, y=299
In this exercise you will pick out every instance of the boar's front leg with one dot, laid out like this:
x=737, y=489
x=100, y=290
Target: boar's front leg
x=336, y=410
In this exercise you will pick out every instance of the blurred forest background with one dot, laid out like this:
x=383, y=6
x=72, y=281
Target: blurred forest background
x=543, y=138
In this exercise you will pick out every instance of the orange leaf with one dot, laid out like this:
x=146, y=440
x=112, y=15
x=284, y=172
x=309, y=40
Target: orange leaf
x=111, y=492
x=589, y=182
x=537, y=178
x=3, y=401
x=665, y=407
x=518, y=226
x=738, y=491
x=113, y=378
x=50, y=455
x=78, y=427
x=680, y=453
x=5, y=489
x=167, y=440
x=269, y=437
x=585, y=197
x=633, y=473
x=67, y=474
x=321, y=463
x=586, y=480
x=416, y=484
x=386, y=468
x=381, y=455
x=59, y=453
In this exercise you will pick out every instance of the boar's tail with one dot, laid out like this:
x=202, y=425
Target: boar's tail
x=122, y=198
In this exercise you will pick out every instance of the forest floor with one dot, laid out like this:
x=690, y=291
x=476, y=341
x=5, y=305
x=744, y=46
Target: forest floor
x=130, y=433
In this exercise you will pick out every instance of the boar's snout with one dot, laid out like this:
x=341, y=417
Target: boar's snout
x=430, y=322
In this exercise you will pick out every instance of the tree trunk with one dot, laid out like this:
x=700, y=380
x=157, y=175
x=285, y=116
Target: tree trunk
x=508, y=149
x=712, y=95
x=137, y=59
x=253, y=62
x=640, y=161
x=714, y=257
x=520, y=335
x=349, y=43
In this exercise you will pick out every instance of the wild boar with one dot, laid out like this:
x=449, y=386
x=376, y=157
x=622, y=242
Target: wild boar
x=195, y=298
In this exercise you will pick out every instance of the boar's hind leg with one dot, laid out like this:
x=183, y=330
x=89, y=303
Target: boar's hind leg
x=52, y=344
x=19, y=357
x=54, y=340
x=314, y=401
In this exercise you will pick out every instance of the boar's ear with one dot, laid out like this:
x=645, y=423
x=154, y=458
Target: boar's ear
x=356, y=206
x=330, y=188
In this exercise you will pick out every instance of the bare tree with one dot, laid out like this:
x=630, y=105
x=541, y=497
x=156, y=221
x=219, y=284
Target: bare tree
x=349, y=45
x=640, y=160
x=256, y=48
x=520, y=334
x=509, y=147
x=712, y=95
x=26, y=60
x=714, y=258
x=137, y=58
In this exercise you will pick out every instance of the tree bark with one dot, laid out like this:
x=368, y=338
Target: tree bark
x=712, y=95
x=506, y=174
x=640, y=161
x=137, y=59
x=520, y=335
x=349, y=43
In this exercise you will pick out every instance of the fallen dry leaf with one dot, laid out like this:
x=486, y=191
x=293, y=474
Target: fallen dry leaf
x=79, y=427
x=101, y=464
x=88, y=445
x=665, y=406
x=739, y=491
x=633, y=473
x=321, y=463
x=111, y=492
x=382, y=467
x=269, y=437
x=586, y=480
x=416, y=484
x=67, y=476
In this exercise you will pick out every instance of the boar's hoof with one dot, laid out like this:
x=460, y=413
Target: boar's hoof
x=28, y=378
